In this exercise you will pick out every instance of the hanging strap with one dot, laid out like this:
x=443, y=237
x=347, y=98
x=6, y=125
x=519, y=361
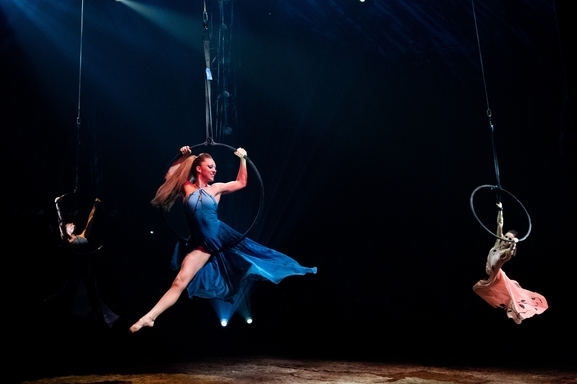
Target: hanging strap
x=208, y=77
x=210, y=141
x=79, y=94
x=489, y=113
x=497, y=176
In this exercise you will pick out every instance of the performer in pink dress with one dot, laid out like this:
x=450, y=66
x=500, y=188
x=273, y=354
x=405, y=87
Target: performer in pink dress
x=500, y=291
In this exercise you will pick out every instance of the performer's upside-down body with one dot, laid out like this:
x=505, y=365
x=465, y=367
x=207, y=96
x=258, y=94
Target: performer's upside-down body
x=500, y=291
x=82, y=271
x=209, y=267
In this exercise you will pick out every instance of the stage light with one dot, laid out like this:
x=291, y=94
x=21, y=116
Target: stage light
x=248, y=320
x=224, y=322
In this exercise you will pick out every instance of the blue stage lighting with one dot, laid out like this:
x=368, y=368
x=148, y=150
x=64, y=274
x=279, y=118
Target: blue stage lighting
x=248, y=320
x=224, y=322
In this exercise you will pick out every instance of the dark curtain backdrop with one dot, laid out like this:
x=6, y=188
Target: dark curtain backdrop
x=367, y=123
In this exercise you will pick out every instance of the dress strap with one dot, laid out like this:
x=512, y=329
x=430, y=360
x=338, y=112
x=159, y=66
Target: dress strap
x=201, y=192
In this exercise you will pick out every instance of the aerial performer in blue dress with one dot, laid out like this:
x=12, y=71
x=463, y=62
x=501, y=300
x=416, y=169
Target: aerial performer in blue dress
x=213, y=263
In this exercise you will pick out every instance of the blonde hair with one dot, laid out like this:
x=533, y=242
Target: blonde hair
x=173, y=186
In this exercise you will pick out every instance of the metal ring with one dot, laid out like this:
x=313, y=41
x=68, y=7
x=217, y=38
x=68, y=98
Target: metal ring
x=510, y=194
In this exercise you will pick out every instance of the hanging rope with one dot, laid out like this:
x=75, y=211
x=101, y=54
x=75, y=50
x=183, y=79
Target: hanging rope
x=489, y=113
x=79, y=94
x=73, y=200
x=497, y=189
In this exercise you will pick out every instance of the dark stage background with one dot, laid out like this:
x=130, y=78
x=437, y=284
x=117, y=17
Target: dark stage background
x=367, y=124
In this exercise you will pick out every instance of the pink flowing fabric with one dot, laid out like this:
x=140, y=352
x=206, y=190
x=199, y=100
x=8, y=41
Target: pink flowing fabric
x=501, y=292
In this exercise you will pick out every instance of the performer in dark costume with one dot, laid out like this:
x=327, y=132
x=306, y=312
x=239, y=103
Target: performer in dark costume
x=209, y=266
x=500, y=291
x=81, y=254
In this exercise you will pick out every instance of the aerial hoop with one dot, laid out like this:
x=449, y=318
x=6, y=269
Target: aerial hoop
x=495, y=160
x=208, y=143
x=494, y=187
x=208, y=78
x=74, y=208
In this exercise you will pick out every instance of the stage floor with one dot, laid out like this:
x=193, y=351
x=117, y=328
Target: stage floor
x=283, y=370
x=189, y=346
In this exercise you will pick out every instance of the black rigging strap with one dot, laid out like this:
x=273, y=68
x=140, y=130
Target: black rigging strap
x=497, y=189
x=209, y=134
x=489, y=113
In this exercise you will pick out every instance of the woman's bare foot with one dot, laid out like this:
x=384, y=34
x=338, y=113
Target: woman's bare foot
x=143, y=322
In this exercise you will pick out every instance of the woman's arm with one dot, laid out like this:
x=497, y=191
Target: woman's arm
x=500, y=220
x=514, y=247
x=499, y=232
x=88, y=227
x=61, y=225
x=241, y=177
x=186, y=151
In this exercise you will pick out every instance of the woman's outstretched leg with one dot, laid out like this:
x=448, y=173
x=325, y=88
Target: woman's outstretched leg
x=190, y=266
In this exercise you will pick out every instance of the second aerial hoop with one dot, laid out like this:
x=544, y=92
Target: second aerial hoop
x=499, y=189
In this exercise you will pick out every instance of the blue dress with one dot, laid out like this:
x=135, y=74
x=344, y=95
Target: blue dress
x=230, y=267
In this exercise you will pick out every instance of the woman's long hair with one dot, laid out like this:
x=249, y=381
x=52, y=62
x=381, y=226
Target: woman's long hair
x=173, y=186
